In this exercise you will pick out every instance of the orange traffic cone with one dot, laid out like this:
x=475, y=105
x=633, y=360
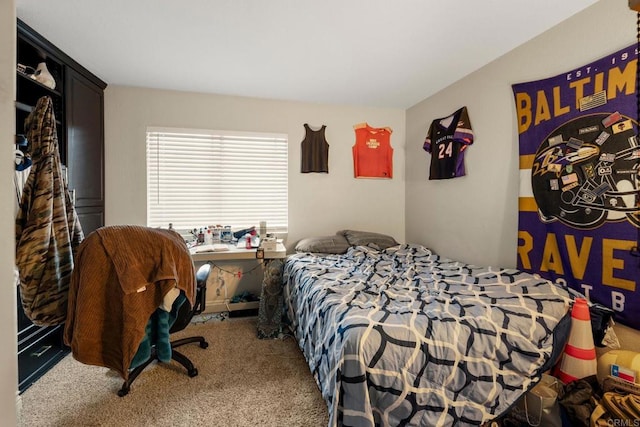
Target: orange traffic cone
x=579, y=358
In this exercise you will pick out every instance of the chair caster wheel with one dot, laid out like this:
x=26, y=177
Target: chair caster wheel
x=204, y=344
x=123, y=392
x=192, y=373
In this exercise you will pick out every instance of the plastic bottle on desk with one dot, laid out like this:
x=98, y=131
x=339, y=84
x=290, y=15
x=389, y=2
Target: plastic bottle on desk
x=217, y=234
x=248, y=239
x=226, y=234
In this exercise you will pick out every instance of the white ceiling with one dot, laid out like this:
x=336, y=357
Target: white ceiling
x=379, y=53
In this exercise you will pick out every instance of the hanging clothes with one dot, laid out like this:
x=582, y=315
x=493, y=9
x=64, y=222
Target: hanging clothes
x=315, y=150
x=47, y=227
x=372, y=152
x=447, y=140
x=21, y=173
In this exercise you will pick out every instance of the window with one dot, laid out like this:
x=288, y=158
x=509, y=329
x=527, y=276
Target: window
x=199, y=177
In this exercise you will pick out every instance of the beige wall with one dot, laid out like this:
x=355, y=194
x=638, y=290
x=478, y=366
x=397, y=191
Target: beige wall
x=318, y=203
x=475, y=218
x=8, y=314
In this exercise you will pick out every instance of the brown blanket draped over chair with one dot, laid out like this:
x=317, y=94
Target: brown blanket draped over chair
x=121, y=276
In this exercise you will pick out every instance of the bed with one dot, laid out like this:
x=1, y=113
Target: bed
x=403, y=337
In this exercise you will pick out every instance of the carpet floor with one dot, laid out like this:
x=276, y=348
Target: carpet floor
x=242, y=381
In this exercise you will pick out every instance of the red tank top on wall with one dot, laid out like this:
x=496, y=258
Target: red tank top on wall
x=372, y=152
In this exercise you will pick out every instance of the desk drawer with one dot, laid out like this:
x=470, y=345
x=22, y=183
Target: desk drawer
x=39, y=349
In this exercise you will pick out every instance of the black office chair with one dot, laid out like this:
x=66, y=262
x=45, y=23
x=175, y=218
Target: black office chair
x=183, y=318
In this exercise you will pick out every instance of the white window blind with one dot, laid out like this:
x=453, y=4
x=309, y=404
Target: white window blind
x=199, y=177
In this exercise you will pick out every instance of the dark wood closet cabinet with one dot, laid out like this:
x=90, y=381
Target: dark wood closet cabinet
x=85, y=147
x=79, y=109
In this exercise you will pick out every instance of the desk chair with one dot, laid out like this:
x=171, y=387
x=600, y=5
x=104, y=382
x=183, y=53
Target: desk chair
x=183, y=318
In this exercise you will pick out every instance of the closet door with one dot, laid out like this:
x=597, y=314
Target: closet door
x=85, y=148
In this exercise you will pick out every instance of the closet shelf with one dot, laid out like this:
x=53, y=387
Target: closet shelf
x=21, y=106
x=37, y=83
x=24, y=107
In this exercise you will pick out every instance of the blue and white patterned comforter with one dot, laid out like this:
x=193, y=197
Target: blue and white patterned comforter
x=403, y=337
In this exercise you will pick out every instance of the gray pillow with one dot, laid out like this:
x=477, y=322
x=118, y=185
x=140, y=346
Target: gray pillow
x=323, y=244
x=368, y=238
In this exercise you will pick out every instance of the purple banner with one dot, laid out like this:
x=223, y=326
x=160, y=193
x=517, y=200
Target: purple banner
x=579, y=210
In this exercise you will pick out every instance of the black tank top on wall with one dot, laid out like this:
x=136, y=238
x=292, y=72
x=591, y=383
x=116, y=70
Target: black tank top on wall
x=315, y=151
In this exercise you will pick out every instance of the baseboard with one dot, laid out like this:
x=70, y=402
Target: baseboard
x=19, y=408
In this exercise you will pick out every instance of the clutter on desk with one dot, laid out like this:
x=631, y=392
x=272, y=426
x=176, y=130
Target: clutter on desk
x=269, y=243
x=241, y=233
x=212, y=234
x=249, y=241
x=223, y=235
x=263, y=229
x=215, y=247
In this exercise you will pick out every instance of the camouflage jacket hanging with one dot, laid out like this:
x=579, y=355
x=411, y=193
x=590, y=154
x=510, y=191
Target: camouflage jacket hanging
x=47, y=228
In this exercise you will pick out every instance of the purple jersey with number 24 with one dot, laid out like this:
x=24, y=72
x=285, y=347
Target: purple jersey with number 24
x=447, y=140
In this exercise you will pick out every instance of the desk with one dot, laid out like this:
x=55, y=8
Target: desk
x=270, y=304
x=232, y=253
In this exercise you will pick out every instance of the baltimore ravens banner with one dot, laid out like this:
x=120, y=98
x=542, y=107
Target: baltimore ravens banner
x=579, y=215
